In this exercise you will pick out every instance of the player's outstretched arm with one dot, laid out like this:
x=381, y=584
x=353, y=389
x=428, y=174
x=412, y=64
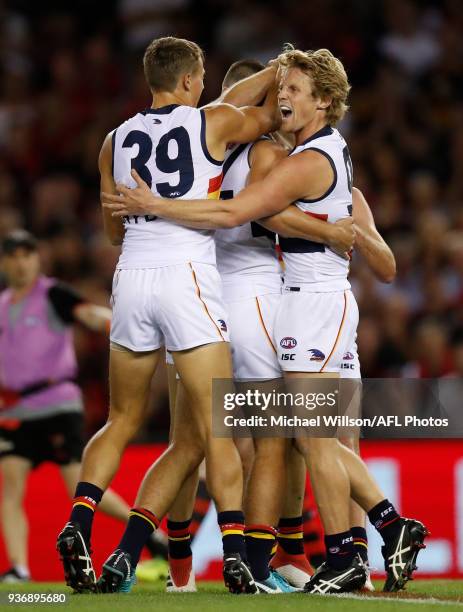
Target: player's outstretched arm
x=227, y=124
x=96, y=318
x=249, y=91
x=369, y=241
x=71, y=308
x=293, y=223
x=306, y=175
x=203, y=214
x=113, y=227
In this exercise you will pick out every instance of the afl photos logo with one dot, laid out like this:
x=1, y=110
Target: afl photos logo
x=288, y=343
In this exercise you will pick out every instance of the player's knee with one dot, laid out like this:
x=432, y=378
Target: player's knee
x=190, y=453
x=320, y=453
x=127, y=422
x=12, y=493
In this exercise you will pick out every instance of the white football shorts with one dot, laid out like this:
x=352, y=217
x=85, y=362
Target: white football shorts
x=253, y=348
x=178, y=306
x=316, y=332
x=251, y=335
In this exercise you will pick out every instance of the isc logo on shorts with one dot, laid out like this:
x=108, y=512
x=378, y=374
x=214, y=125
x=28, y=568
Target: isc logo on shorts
x=288, y=342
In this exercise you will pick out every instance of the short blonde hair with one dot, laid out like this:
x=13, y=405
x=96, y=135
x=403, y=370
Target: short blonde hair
x=328, y=77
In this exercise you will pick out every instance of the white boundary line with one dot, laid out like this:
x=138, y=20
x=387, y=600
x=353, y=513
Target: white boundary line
x=394, y=600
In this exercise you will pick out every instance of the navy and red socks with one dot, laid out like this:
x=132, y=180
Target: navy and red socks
x=291, y=536
x=140, y=526
x=339, y=550
x=231, y=523
x=360, y=542
x=386, y=520
x=260, y=540
x=179, y=536
x=180, y=556
x=200, y=509
x=86, y=499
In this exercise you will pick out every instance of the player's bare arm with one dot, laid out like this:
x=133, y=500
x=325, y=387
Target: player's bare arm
x=249, y=91
x=226, y=123
x=113, y=227
x=305, y=175
x=369, y=241
x=94, y=317
x=293, y=223
x=264, y=155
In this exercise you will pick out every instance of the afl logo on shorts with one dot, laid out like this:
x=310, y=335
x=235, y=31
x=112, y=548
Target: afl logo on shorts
x=347, y=356
x=288, y=342
x=316, y=355
x=222, y=325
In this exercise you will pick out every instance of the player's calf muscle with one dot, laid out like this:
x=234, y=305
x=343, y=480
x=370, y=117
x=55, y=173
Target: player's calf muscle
x=191, y=452
x=224, y=474
x=164, y=479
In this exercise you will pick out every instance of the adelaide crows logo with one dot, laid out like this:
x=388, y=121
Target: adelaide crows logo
x=316, y=355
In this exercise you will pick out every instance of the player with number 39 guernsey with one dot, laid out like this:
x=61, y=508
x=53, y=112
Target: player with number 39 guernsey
x=167, y=292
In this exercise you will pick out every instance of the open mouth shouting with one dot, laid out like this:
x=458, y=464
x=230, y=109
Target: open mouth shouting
x=286, y=110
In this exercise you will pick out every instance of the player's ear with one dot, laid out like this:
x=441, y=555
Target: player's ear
x=186, y=81
x=323, y=103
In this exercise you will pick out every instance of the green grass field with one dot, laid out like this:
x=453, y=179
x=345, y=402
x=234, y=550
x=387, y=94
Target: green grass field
x=421, y=595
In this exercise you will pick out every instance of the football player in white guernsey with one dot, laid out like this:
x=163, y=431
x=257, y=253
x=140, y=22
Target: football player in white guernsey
x=167, y=291
x=379, y=258
x=317, y=176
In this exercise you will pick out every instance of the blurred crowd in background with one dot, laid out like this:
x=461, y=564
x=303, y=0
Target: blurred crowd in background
x=69, y=77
